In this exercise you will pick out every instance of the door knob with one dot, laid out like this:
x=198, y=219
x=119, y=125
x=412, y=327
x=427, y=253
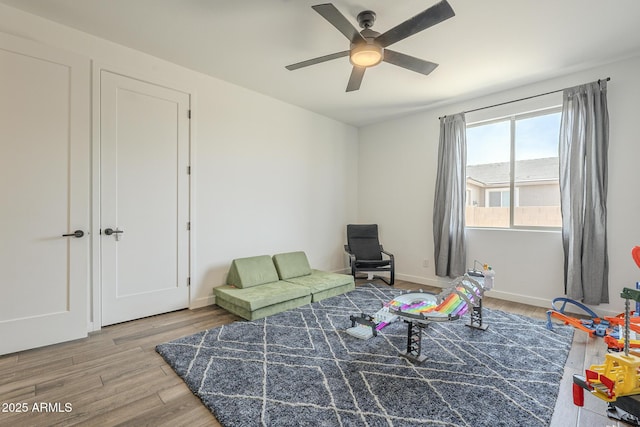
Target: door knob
x=110, y=231
x=77, y=233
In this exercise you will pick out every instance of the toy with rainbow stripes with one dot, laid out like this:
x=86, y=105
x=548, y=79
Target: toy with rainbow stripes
x=418, y=309
x=464, y=292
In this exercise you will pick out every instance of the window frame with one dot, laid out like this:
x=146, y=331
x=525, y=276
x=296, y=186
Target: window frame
x=512, y=118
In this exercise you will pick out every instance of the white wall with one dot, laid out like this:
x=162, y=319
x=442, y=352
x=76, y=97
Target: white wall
x=271, y=177
x=267, y=176
x=397, y=168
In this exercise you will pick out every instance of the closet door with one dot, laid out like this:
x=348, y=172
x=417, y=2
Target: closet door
x=44, y=161
x=144, y=198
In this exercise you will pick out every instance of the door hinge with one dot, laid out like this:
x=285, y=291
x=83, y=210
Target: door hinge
x=188, y=281
x=189, y=226
x=188, y=170
x=189, y=113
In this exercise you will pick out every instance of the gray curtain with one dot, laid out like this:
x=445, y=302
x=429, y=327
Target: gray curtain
x=448, y=206
x=584, y=141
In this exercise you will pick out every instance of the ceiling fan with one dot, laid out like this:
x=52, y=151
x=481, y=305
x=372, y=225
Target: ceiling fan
x=368, y=48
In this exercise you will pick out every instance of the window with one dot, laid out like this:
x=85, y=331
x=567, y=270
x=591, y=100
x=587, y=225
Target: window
x=512, y=171
x=497, y=198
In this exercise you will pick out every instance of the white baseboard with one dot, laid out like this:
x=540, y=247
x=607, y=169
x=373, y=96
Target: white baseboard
x=543, y=302
x=202, y=302
x=522, y=299
x=440, y=283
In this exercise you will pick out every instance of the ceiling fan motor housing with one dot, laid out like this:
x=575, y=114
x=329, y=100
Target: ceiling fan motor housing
x=366, y=18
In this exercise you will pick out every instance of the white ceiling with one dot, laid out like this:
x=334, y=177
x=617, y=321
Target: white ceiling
x=490, y=45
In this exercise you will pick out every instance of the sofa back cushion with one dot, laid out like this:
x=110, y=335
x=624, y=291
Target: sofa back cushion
x=292, y=264
x=252, y=271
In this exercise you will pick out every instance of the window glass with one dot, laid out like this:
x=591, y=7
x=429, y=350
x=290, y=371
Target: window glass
x=488, y=174
x=512, y=172
x=537, y=171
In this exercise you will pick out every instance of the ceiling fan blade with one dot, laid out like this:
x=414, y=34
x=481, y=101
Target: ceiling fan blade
x=425, y=19
x=317, y=60
x=409, y=62
x=356, y=78
x=337, y=19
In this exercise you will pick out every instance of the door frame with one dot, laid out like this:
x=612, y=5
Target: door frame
x=95, y=298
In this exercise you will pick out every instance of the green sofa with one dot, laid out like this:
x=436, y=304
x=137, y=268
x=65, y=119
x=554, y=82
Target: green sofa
x=262, y=285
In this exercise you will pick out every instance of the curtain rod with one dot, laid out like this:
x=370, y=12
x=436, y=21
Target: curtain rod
x=520, y=99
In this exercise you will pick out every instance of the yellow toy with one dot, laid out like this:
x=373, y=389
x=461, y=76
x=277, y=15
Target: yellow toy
x=618, y=379
x=619, y=375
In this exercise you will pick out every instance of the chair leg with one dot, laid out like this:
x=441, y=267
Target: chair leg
x=388, y=282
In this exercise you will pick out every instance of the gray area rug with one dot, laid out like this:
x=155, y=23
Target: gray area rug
x=299, y=368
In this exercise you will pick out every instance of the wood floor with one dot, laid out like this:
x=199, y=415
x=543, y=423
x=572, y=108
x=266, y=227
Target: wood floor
x=114, y=377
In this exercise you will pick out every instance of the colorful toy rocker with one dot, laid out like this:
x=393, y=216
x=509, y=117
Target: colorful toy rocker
x=418, y=309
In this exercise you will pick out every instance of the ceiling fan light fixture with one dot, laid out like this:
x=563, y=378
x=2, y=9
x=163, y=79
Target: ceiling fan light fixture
x=366, y=55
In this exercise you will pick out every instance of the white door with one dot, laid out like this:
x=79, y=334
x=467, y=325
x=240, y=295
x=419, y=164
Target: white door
x=45, y=167
x=144, y=198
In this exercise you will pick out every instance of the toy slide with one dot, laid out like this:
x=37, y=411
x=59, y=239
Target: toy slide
x=451, y=304
x=424, y=307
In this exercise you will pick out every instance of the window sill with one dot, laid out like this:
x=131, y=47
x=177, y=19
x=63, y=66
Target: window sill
x=519, y=229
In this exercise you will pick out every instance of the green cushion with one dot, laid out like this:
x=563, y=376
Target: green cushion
x=265, y=311
x=324, y=284
x=292, y=264
x=339, y=290
x=252, y=271
x=258, y=297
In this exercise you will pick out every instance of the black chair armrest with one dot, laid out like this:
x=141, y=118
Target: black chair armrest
x=387, y=253
x=352, y=256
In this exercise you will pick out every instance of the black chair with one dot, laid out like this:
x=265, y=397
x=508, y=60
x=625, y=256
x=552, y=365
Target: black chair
x=365, y=252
